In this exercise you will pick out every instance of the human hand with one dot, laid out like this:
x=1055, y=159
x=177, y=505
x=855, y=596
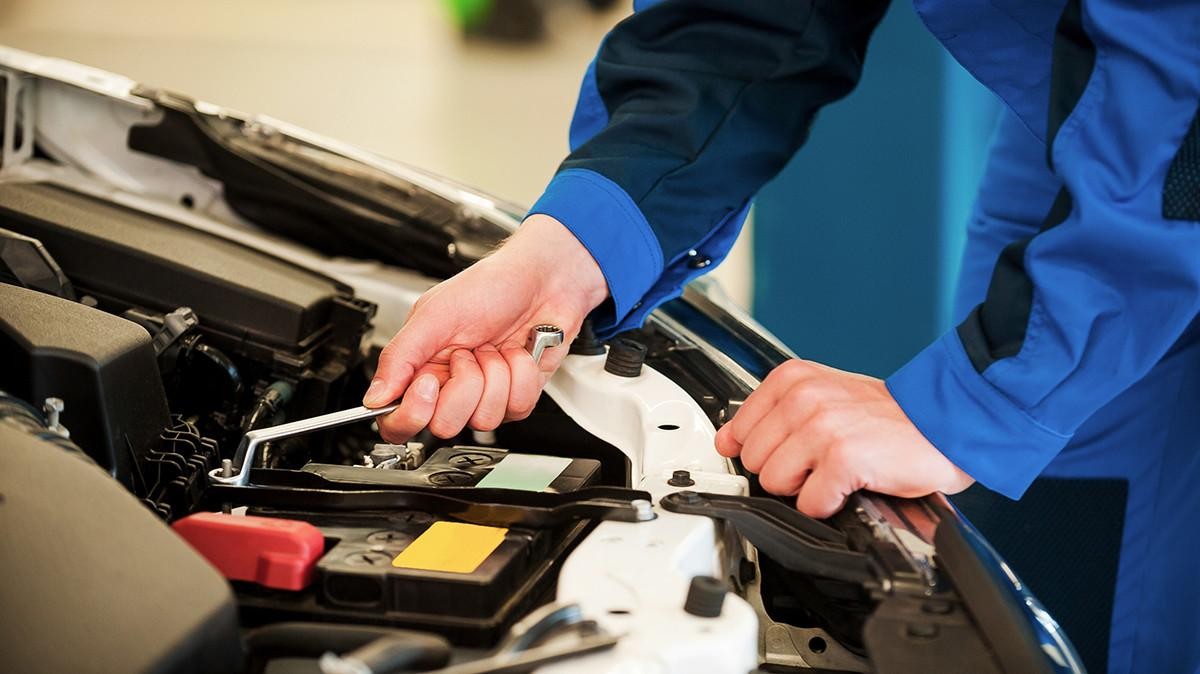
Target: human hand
x=820, y=434
x=460, y=358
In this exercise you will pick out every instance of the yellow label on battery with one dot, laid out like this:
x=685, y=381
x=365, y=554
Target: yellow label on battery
x=452, y=547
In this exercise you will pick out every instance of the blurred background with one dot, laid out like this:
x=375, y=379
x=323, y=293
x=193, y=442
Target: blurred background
x=852, y=252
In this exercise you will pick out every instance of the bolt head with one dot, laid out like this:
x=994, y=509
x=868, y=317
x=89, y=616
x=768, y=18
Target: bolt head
x=645, y=511
x=681, y=478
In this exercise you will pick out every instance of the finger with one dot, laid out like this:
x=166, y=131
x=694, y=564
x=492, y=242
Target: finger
x=787, y=468
x=824, y=493
x=459, y=397
x=496, y=379
x=725, y=444
x=758, y=404
x=415, y=411
x=414, y=345
x=524, y=387
x=733, y=434
x=765, y=439
x=732, y=437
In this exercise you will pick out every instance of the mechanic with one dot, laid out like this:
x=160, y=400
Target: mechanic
x=1078, y=360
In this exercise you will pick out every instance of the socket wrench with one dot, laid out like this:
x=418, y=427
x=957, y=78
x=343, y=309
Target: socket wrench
x=542, y=337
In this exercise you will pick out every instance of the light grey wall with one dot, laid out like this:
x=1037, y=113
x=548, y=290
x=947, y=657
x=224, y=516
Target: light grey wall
x=392, y=76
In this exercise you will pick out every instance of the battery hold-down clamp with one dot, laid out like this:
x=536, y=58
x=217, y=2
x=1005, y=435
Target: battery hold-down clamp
x=805, y=545
x=283, y=489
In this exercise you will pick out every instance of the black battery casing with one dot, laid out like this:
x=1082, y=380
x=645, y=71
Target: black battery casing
x=356, y=581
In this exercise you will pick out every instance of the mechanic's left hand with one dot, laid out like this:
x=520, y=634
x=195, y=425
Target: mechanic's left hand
x=821, y=434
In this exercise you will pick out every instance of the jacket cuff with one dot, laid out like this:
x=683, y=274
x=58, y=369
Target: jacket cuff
x=613, y=229
x=973, y=423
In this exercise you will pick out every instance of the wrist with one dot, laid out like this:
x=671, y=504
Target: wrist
x=561, y=260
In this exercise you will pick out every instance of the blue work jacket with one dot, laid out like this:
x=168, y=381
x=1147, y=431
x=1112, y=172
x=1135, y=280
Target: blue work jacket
x=1085, y=339
x=690, y=106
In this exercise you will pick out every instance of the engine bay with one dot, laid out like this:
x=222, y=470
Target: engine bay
x=164, y=381
x=157, y=385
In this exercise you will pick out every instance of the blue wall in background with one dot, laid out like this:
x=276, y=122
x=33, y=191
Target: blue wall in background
x=857, y=241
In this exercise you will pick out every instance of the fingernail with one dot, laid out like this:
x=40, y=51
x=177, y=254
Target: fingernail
x=374, y=391
x=426, y=388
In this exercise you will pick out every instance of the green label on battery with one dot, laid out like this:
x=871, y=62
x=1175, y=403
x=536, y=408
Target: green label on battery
x=527, y=472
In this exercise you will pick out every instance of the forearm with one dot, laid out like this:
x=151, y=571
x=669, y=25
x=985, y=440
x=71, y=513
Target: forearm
x=689, y=108
x=564, y=266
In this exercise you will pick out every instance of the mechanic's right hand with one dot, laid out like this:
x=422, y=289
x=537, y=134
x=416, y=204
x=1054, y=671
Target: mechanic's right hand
x=460, y=359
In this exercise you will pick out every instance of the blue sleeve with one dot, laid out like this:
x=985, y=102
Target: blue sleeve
x=689, y=107
x=1084, y=308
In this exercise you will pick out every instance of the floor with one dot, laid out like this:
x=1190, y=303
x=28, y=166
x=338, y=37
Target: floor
x=392, y=76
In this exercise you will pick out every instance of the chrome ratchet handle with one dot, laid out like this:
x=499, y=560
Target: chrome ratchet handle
x=244, y=458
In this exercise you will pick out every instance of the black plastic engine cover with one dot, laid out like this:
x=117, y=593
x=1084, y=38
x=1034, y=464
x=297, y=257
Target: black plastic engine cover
x=102, y=366
x=93, y=581
x=135, y=259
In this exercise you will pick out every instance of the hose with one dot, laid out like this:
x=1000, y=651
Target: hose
x=268, y=405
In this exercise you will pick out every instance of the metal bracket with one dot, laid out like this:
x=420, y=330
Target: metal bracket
x=795, y=541
x=295, y=490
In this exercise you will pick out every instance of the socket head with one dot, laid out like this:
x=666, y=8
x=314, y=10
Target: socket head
x=552, y=335
x=542, y=337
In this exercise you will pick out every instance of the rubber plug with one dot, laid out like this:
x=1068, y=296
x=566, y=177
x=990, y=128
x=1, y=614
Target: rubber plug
x=625, y=357
x=586, y=343
x=705, y=597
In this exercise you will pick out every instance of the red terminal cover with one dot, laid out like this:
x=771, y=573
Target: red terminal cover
x=277, y=553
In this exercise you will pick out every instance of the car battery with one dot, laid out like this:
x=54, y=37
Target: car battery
x=413, y=569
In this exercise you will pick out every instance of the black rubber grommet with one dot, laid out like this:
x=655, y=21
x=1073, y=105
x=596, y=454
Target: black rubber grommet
x=625, y=357
x=586, y=342
x=705, y=597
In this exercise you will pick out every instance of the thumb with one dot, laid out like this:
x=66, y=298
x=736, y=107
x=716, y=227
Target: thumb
x=413, y=346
